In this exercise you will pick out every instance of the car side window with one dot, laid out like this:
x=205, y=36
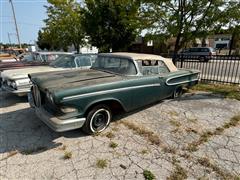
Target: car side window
x=153, y=67
x=83, y=61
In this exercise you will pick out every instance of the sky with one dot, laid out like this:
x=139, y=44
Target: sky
x=29, y=14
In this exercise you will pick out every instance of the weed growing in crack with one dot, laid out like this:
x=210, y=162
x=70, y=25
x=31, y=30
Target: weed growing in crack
x=179, y=173
x=115, y=129
x=101, y=163
x=148, y=175
x=207, y=163
x=169, y=150
x=205, y=136
x=110, y=135
x=96, y=134
x=151, y=136
x=144, y=151
x=113, y=145
x=175, y=123
x=191, y=130
x=67, y=155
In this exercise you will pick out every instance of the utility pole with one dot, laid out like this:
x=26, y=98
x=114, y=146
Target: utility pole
x=9, y=39
x=15, y=21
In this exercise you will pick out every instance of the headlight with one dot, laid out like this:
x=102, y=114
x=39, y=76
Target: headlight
x=13, y=84
x=68, y=109
x=50, y=97
x=8, y=83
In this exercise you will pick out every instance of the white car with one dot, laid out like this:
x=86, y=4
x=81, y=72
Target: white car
x=16, y=81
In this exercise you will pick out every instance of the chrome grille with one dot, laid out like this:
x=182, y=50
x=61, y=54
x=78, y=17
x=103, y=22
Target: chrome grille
x=36, y=96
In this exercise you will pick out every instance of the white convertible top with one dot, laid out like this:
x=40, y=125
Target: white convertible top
x=139, y=56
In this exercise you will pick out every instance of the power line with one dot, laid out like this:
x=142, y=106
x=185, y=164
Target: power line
x=21, y=23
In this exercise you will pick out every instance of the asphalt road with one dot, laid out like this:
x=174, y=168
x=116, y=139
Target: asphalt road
x=216, y=70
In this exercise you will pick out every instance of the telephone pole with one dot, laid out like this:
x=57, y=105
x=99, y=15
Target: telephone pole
x=15, y=21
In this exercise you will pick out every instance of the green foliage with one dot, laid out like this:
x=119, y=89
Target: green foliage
x=185, y=20
x=111, y=24
x=63, y=25
x=101, y=163
x=148, y=175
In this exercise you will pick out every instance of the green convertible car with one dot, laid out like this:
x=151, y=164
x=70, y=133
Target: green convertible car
x=87, y=99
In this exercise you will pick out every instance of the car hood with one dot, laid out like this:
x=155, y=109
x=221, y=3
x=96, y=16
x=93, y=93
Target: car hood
x=19, y=64
x=23, y=72
x=58, y=81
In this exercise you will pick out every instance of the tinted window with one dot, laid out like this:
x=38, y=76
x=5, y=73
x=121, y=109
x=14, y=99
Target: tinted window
x=64, y=62
x=194, y=50
x=204, y=50
x=115, y=65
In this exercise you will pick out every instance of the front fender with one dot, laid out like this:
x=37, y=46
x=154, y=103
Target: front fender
x=103, y=100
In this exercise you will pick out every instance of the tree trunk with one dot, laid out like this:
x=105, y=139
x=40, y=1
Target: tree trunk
x=77, y=47
x=231, y=43
x=176, y=48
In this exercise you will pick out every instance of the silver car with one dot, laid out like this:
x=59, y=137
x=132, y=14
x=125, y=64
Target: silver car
x=200, y=53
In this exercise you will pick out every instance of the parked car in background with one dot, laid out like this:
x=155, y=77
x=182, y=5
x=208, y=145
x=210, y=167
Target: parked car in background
x=117, y=81
x=200, y=53
x=16, y=81
x=31, y=59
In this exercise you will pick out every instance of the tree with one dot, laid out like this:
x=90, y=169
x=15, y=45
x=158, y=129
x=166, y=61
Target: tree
x=231, y=19
x=183, y=19
x=63, y=25
x=43, y=42
x=111, y=24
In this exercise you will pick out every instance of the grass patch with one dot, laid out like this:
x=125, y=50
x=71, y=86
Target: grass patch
x=148, y=175
x=169, y=150
x=144, y=151
x=207, y=163
x=179, y=173
x=109, y=135
x=67, y=155
x=191, y=130
x=115, y=129
x=96, y=134
x=151, y=136
x=101, y=163
x=205, y=136
x=175, y=123
x=10, y=154
x=228, y=91
x=113, y=145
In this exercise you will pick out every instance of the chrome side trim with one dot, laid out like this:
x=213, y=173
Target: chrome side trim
x=109, y=91
x=181, y=82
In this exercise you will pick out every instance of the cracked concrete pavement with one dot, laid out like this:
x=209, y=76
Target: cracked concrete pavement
x=30, y=150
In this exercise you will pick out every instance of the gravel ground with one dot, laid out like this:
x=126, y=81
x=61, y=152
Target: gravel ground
x=190, y=138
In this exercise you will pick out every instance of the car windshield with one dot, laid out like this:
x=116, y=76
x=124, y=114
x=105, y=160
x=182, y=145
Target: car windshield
x=115, y=65
x=66, y=61
x=46, y=57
